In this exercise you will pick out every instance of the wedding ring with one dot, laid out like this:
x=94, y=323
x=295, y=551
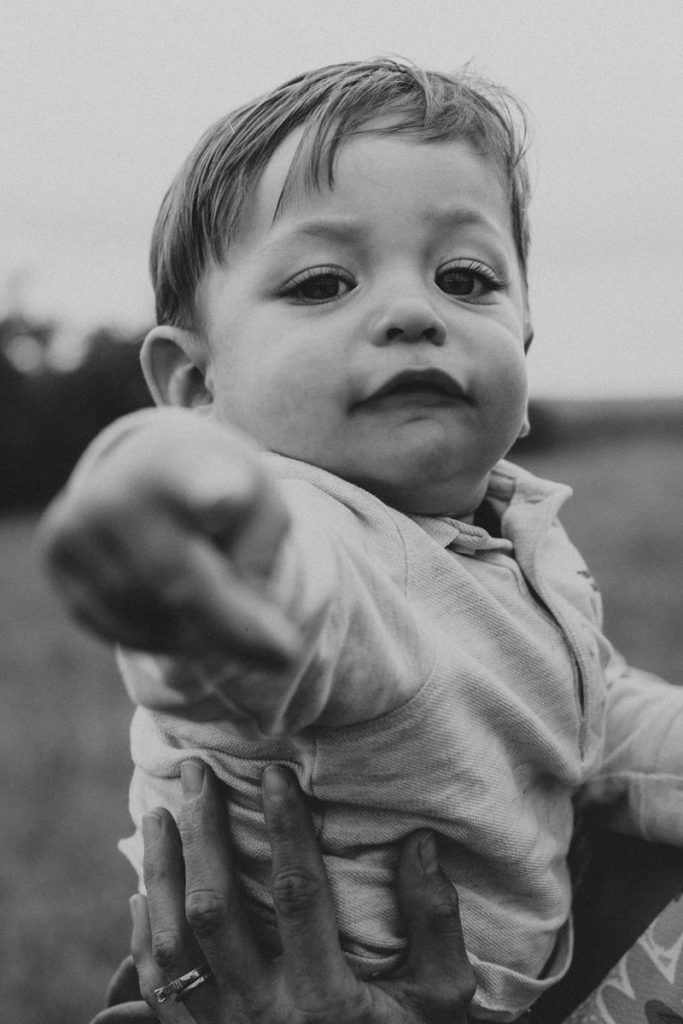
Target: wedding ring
x=179, y=987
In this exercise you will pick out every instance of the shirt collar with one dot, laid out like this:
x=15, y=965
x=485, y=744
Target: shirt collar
x=465, y=538
x=510, y=488
x=507, y=482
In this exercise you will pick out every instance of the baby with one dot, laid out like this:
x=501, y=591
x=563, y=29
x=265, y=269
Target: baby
x=313, y=553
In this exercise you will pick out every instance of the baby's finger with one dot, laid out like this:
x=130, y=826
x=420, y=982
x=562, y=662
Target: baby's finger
x=113, y=622
x=108, y=576
x=249, y=524
x=214, y=606
x=86, y=578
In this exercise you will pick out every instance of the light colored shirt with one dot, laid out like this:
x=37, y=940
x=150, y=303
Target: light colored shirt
x=451, y=680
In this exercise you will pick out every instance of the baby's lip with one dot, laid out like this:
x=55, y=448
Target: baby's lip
x=428, y=381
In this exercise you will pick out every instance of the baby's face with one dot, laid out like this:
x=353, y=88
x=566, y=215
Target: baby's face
x=377, y=329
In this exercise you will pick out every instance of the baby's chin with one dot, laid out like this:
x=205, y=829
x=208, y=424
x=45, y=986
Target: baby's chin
x=419, y=472
x=456, y=495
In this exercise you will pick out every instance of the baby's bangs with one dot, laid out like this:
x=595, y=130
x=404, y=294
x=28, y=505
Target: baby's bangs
x=392, y=93
x=203, y=210
x=403, y=100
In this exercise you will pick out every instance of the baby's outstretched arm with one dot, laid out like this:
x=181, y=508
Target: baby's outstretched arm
x=165, y=540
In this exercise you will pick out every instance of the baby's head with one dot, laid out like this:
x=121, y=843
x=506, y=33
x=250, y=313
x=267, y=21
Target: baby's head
x=340, y=270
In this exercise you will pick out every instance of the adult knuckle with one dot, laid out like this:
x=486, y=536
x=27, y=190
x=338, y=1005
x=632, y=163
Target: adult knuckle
x=443, y=1000
x=205, y=911
x=353, y=1005
x=459, y=991
x=190, y=828
x=295, y=892
x=166, y=950
x=453, y=994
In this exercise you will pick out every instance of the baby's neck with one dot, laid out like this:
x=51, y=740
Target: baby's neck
x=488, y=519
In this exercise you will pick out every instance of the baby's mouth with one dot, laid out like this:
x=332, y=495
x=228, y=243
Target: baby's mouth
x=424, y=387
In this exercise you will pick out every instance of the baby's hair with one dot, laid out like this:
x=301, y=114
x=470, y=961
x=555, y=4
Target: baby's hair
x=202, y=210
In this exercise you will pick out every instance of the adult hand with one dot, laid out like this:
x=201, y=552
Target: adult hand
x=194, y=914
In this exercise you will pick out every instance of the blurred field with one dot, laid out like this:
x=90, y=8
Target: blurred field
x=63, y=731
x=63, y=778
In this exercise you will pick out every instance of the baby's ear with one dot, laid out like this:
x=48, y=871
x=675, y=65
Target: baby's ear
x=174, y=365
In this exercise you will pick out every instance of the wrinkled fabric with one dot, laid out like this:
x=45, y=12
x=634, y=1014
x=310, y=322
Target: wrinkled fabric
x=451, y=680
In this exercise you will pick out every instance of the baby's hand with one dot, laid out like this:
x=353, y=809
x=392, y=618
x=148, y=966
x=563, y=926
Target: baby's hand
x=167, y=544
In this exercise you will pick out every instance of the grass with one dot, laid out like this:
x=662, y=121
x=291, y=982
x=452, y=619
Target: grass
x=64, y=764
x=64, y=771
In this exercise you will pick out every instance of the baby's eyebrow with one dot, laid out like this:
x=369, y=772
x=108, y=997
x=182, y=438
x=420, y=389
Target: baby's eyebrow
x=349, y=231
x=328, y=229
x=460, y=216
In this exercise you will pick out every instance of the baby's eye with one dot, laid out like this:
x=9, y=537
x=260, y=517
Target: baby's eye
x=471, y=280
x=318, y=285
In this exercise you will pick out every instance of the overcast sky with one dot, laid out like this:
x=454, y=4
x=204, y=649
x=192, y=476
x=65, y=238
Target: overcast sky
x=102, y=99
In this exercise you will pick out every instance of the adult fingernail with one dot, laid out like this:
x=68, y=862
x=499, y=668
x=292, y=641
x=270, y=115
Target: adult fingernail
x=427, y=853
x=151, y=827
x=275, y=783
x=192, y=777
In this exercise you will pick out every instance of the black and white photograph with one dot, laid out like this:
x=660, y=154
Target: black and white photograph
x=341, y=476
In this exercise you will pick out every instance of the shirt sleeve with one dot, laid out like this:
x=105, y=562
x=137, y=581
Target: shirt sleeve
x=364, y=651
x=640, y=779
x=362, y=654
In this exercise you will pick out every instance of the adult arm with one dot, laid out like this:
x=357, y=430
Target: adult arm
x=194, y=913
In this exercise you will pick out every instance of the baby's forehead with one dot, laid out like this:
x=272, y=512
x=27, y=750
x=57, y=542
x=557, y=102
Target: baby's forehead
x=300, y=172
x=205, y=210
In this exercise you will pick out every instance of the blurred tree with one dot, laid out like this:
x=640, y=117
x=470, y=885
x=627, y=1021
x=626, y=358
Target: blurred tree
x=47, y=417
x=25, y=343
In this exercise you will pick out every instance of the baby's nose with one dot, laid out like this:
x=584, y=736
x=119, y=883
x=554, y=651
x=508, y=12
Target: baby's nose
x=409, y=320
